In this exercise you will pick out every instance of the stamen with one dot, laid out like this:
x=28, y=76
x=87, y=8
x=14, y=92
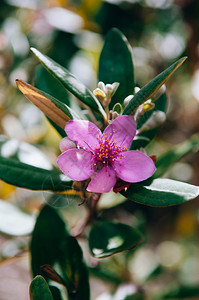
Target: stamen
x=107, y=151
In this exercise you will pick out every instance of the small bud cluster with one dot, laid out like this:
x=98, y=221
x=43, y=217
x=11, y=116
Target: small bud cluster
x=115, y=112
x=157, y=117
x=104, y=93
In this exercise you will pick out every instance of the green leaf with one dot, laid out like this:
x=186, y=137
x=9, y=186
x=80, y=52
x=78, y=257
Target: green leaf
x=39, y=289
x=48, y=83
x=14, y=221
x=51, y=244
x=55, y=110
x=56, y=292
x=166, y=160
x=161, y=192
x=70, y=82
x=26, y=176
x=152, y=87
x=145, y=137
x=116, y=65
x=108, y=238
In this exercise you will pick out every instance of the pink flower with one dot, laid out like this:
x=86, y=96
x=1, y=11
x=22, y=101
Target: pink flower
x=104, y=155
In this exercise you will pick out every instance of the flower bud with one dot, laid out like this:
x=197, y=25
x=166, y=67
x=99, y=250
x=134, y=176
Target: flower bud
x=66, y=144
x=99, y=94
x=159, y=92
x=136, y=89
x=113, y=115
x=109, y=89
x=128, y=99
x=148, y=106
x=101, y=86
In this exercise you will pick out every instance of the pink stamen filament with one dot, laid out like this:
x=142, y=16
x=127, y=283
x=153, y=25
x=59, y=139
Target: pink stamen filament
x=107, y=151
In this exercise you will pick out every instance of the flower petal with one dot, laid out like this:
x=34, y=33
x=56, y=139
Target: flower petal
x=103, y=181
x=134, y=166
x=84, y=133
x=66, y=144
x=122, y=131
x=76, y=164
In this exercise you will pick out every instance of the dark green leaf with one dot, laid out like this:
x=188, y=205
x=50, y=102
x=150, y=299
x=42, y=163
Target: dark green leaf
x=39, y=289
x=108, y=238
x=51, y=244
x=151, y=87
x=116, y=65
x=161, y=192
x=70, y=82
x=26, y=176
x=55, y=291
x=166, y=160
x=13, y=221
x=48, y=83
x=145, y=137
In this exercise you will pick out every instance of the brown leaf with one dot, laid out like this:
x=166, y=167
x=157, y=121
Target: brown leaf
x=45, y=104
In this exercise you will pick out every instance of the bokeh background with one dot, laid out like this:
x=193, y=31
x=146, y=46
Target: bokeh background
x=72, y=33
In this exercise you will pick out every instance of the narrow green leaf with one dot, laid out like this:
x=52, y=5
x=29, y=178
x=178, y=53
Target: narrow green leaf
x=44, y=81
x=166, y=160
x=152, y=87
x=70, y=82
x=57, y=292
x=39, y=289
x=13, y=221
x=161, y=192
x=55, y=110
x=108, y=238
x=116, y=65
x=51, y=244
x=26, y=176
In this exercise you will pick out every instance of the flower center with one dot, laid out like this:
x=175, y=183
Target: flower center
x=106, y=152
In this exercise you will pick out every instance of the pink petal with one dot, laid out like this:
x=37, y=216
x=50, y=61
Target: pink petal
x=76, y=164
x=103, y=181
x=84, y=133
x=134, y=166
x=66, y=144
x=122, y=131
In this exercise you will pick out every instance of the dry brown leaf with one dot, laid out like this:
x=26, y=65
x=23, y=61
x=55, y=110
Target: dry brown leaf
x=43, y=103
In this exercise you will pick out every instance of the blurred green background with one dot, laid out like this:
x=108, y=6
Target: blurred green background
x=72, y=33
